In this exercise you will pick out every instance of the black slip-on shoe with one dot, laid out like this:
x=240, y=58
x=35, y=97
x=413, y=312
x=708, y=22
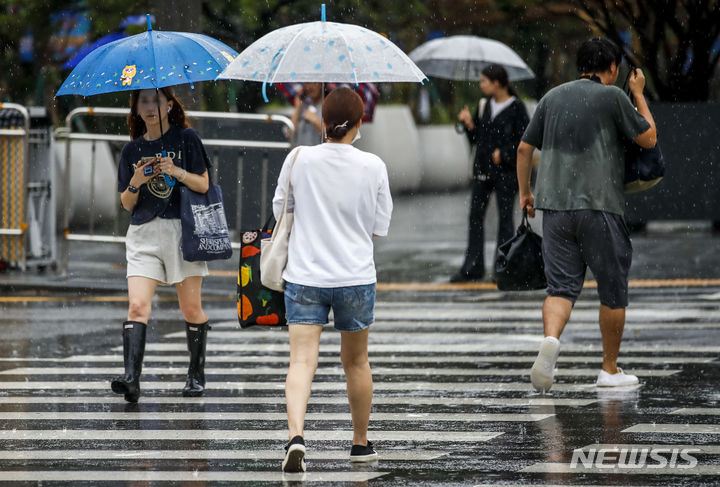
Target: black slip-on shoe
x=363, y=453
x=294, y=456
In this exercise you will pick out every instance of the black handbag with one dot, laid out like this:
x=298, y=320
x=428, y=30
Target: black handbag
x=644, y=168
x=519, y=263
x=256, y=304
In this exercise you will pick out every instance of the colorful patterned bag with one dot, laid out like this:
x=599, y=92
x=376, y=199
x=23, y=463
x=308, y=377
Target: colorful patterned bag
x=256, y=304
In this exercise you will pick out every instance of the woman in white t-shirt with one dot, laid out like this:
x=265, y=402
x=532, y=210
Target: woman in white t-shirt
x=340, y=198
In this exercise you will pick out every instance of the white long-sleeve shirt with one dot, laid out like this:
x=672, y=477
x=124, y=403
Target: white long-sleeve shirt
x=340, y=197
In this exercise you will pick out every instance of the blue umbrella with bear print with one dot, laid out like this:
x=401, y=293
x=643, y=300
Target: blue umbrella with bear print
x=151, y=60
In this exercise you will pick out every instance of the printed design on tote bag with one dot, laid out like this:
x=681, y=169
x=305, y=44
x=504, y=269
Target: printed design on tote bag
x=210, y=226
x=256, y=305
x=208, y=220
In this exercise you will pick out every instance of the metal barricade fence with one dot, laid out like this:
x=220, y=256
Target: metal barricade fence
x=14, y=150
x=213, y=146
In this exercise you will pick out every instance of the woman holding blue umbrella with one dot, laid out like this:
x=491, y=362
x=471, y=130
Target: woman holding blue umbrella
x=164, y=154
x=161, y=144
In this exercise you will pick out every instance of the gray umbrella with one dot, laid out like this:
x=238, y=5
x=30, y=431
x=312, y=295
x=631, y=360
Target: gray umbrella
x=464, y=57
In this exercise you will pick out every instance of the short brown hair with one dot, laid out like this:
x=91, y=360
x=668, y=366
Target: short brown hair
x=341, y=111
x=175, y=117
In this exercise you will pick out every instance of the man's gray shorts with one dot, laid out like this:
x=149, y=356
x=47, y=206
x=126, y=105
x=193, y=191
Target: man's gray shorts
x=576, y=240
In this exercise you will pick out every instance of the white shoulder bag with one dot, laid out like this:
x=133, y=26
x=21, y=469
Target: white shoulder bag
x=274, y=250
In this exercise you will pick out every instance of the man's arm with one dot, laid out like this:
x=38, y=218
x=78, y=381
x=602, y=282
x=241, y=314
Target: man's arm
x=647, y=139
x=524, y=169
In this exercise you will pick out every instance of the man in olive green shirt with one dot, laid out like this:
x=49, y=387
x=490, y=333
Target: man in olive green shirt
x=582, y=128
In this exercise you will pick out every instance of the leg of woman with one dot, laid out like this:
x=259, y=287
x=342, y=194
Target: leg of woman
x=304, y=349
x=474, y=265
x=505, y=190
x=140, y=293
x=354, y=356
x=189, y=293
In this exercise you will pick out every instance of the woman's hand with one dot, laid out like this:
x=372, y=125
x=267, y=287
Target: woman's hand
x=312, y=116
x=139, y=178
x=465, y=117
x=496, y=157
x=167, y=166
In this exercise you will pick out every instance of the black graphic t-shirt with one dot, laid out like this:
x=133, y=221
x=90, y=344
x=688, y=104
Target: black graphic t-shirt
x=156, y=198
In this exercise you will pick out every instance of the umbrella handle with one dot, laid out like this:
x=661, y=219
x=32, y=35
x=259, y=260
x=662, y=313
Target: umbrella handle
x=169, y=180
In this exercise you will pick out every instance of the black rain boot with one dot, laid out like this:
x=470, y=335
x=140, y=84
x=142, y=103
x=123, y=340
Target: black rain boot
x=196, y=340
x=133, y=352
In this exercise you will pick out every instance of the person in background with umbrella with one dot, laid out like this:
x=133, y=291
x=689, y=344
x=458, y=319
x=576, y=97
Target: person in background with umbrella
x=495, y=131
x=341, y=200
x=306, y=117
x=148, y=182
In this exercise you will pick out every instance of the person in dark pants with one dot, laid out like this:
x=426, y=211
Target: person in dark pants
x=582, y=128
x=495, y=132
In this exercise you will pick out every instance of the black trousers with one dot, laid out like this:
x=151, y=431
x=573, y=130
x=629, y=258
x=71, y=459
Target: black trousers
x=504, y=183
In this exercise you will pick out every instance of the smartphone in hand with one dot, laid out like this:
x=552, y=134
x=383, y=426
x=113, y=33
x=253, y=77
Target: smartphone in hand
x=149, y=170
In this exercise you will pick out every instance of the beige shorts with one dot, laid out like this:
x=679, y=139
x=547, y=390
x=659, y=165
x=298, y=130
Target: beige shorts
x=154, y=250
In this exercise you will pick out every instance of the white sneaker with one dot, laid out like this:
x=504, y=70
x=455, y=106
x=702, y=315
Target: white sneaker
x=616, y=380
x=543, y=369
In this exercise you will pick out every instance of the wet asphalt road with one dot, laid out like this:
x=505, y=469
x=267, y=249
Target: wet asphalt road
x=453, y=404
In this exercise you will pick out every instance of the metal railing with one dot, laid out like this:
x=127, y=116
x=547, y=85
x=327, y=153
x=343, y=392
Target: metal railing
x=18, y=230
x=92, y=236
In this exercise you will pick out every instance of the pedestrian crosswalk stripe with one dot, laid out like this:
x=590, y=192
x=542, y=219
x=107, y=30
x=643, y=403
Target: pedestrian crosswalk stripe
x=500, y=343
x=707, y=429
x=649, y=469
x=282, y=371
x=509, y=313
x=228, y=416
x=317, y=386
x=419, y=328
x=280, y=399
x=196, y=454
x=183, y=476
x=699, y=448
x=397, y=336
x=377, y=358
x=701, y=302
x=238, y=435
x=698, y=411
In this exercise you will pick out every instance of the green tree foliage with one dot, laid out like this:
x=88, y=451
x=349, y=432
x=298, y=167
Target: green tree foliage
x=676, y=41
x=36, y=82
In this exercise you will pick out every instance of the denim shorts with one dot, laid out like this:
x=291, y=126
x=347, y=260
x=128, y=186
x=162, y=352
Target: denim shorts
x=353, y=306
